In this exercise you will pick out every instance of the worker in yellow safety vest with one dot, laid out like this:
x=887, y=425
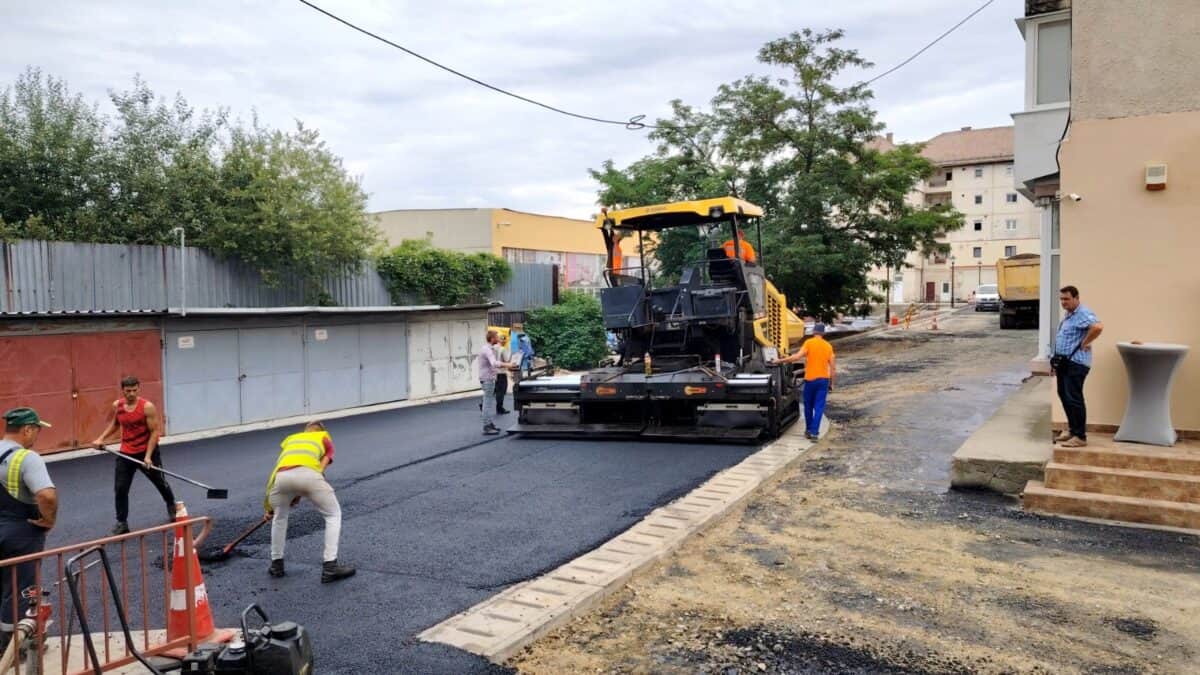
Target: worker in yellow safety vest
x=300, y=472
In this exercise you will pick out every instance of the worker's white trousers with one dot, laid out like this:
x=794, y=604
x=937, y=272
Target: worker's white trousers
x=304, y=482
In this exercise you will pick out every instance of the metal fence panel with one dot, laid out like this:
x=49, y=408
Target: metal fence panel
x=67, y=277
x=531, y=285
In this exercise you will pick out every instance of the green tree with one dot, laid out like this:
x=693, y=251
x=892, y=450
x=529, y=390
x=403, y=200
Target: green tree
x=279, y=201
x=571, y=333
x=52, y=155
x=799, y=146
x=287, y=205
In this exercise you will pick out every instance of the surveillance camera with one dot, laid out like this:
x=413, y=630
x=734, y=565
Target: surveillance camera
x=1075, y=197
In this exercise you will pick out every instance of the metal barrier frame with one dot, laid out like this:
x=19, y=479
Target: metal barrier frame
x=113, y=661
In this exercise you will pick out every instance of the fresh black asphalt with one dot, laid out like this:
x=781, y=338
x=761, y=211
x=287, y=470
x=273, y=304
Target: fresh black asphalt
x=436, y=516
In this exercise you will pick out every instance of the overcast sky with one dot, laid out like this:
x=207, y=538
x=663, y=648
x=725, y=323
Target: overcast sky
x=421, y=138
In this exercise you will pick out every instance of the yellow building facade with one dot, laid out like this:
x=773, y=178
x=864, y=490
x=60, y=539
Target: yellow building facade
x=574, y=244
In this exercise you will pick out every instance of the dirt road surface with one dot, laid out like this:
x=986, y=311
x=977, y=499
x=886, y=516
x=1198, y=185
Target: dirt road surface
x=858, y=559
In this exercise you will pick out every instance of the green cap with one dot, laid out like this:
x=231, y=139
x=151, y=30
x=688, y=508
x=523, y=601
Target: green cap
x=19, y=417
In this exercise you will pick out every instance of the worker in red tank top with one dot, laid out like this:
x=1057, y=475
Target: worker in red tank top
x=138, y=421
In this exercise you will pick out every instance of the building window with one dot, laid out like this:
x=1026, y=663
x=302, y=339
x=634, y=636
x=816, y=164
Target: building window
x=1053, y=68
x=977, y=252
x=1010, y=251
x=1010, y=224
x=949, y=175
x=979, y=172
x=1008, y=170
x=978, y=199
x=1011, y=198
x=979, y=226
x=945, y=287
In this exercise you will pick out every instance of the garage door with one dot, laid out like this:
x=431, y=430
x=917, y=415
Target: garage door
x=334, y=367
x=272, y=372
x=384, y=351
x=72, y=379
x=203, y=391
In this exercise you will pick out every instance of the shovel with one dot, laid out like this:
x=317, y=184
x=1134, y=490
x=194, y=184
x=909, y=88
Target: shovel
x=224, y=552
x=213, y=493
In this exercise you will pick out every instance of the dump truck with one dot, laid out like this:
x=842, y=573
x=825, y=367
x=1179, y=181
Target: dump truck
x=695, y=358
x=1017, y=280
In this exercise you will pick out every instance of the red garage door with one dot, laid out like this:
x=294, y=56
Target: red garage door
x=72, y=379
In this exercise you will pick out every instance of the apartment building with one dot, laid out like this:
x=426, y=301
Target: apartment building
x=974, y=174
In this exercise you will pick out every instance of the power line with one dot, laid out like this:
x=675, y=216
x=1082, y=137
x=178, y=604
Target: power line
x=938, y=39
x=634, y=123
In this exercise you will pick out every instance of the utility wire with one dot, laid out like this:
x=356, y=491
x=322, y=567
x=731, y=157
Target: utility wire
x=936, y=40
x=634, y=123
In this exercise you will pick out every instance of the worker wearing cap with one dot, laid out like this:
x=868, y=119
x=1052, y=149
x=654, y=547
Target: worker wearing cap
x=820, y=367
x=28, y=509
x=748, y=254
x=300, y=472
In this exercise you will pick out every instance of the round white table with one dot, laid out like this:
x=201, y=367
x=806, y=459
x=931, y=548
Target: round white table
x=1151, y=367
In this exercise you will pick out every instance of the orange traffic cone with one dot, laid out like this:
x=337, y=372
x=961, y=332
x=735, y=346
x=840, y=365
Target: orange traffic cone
x=177, y=619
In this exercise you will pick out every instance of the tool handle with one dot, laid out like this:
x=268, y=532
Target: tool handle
x=185, y=479
x=241, y=537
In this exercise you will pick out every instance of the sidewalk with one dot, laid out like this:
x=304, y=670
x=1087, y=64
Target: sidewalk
x=1012, y=447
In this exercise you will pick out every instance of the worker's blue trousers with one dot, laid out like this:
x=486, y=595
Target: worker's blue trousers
x=815, y=392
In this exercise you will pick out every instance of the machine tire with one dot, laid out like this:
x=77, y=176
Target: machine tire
x=1005, y=322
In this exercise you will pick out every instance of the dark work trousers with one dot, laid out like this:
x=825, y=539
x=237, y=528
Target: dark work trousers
x=18, y=537
x=1070, y=393
x=124, y=478
x=501, y=391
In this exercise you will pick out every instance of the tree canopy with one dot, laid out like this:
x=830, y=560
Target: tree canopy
x=797, y=143
x=280, y=201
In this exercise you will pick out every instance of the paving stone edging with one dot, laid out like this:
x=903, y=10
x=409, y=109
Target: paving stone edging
x=502, y=625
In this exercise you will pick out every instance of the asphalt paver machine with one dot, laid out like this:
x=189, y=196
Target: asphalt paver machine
x=692, y=361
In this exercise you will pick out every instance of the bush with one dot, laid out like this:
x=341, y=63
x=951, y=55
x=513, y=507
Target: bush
x=571, y=333
x=439, y=276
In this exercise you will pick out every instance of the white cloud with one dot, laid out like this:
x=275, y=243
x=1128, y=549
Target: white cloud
x=421, y=138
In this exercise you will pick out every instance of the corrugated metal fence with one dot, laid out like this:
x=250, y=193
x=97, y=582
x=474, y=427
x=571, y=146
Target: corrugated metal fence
x=531, y=285
x=43, y=277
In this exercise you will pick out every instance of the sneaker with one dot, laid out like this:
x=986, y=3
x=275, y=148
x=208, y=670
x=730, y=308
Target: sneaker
x=120, y=528
x=276, y=568
x=1075, y=442
x=503, y=411
x=491, y=431
x=808, y=435
x=332, y=571
x=1063, y=437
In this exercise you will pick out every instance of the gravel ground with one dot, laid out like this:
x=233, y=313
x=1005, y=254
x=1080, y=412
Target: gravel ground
x=858, y=559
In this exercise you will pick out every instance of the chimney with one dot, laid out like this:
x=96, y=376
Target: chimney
x=965, y=129
x=889, y=137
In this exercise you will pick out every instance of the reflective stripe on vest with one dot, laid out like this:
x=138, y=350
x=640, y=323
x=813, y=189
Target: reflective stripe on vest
x=13, y=483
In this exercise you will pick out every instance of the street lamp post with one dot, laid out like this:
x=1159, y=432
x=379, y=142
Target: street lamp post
x=952, y=281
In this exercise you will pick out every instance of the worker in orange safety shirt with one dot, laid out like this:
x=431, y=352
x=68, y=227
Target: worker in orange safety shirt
x=747, y=250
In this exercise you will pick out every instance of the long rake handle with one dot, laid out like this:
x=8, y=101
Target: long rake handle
x=159, y=469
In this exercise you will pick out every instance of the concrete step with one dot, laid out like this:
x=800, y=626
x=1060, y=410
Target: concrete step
x=1136, y=458
x=1041, y=499
x=1171, y=487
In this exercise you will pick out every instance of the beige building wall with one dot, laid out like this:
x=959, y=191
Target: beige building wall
x=468, y=230
x=1134, y=57
x=1133, y=252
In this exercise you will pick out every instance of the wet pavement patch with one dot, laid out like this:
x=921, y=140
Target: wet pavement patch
x=1142, y=629
x=787, y=652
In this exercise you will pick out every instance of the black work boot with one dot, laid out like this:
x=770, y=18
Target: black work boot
x=121, y=527
x=276, y=568
x=332, y=571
